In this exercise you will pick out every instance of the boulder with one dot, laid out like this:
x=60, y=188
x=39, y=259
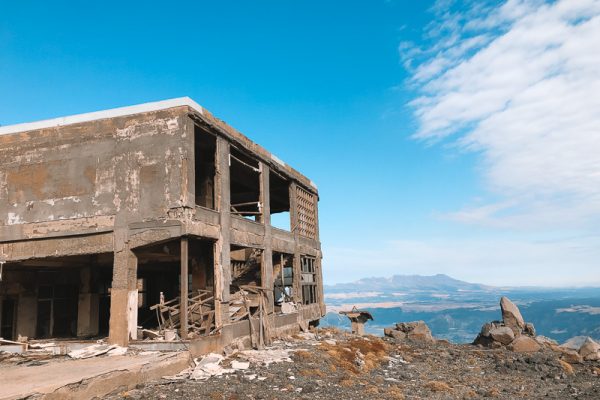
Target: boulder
x=529, y=329
x=575, y=342
x=590, y=350
x=511, y=316
x=571, y=356
x=417, y=330
x=524, y=344
x=502, y=334
x=546, y=341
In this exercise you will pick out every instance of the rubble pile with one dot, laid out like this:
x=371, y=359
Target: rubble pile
x=417, y=330
x=512, y=331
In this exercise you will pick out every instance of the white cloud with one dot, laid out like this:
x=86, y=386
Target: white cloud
x=520, y=84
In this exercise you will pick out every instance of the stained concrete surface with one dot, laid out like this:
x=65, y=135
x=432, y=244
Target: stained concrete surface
x=85, y=379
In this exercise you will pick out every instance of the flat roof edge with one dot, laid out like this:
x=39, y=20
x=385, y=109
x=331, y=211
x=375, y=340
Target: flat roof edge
x=103, y=114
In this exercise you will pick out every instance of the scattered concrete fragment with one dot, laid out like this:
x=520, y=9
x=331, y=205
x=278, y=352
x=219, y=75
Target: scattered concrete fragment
x=237, y=365
x=117, y=351
x=267, y=356
x=209, y=366
x=91, y=351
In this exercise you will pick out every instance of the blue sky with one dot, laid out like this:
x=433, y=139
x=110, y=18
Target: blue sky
x=445, y=136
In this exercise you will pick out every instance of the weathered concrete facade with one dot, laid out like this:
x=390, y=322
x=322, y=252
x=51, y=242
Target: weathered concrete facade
x=102, y=214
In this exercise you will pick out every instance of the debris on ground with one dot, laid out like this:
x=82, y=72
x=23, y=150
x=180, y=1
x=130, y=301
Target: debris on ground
x=92, y=351
x=344, y=366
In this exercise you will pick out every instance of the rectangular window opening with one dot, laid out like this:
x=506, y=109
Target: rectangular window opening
x=245, y=185
x=279, y=193
x=283, y=279
x=205, y=146
x=309, y=279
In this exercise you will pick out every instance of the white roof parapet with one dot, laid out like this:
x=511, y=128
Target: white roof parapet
x=97, y=115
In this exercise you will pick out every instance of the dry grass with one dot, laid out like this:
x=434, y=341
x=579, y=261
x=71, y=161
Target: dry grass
x=493, y=392
x=344, y=355
x=568, y=368
x=372, y=390
x=347, y=382
x=302, y=355
x=437, y=386
x=394, y=393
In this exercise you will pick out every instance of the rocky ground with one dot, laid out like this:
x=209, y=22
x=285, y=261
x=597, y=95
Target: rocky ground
x=329, y=364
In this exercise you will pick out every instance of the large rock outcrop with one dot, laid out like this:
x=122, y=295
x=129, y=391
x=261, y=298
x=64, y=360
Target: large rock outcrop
x=512, y=331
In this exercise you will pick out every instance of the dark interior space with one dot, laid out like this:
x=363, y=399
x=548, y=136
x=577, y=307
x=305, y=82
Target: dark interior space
x=159, y=273
x=245, y=185
x=8, y=314
x=246, y=265
x=283, y=277
x=205, y=145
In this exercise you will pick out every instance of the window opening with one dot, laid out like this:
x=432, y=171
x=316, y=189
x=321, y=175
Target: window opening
x=309, y=279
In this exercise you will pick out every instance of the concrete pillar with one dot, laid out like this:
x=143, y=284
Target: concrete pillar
x=183, y=280
x=222, y=248
x=267, y=256
x=358, y=327
x=123, y=296
x=87, y=309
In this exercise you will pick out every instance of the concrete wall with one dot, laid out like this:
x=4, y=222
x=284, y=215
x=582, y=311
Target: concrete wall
x=87, y=172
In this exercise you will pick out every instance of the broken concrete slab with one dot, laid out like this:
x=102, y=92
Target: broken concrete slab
x=92, y=351
x=87, y=378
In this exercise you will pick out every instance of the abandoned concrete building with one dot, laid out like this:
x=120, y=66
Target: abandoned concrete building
x=108, y=219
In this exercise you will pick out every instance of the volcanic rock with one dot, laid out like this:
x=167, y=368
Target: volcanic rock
x=590, y=350
x=502, y=334
x=524, y=344
x=417, y=330
x=511, y=316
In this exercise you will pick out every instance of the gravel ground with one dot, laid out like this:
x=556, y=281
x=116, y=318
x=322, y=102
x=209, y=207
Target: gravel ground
x=337, y=365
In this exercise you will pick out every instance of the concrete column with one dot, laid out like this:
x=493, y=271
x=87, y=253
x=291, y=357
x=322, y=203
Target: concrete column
x=183, y=280
x=124, y=295
x=294, y=228
x=222, y=247
x=87, y=309
x=267, y=256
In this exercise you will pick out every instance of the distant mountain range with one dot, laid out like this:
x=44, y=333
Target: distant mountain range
x=455, y=309
x=439, y=282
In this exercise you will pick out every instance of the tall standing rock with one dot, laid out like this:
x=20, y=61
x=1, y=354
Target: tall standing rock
x=511, y=316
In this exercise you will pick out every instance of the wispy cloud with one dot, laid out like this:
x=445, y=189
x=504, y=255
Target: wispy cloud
x=520, y=84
